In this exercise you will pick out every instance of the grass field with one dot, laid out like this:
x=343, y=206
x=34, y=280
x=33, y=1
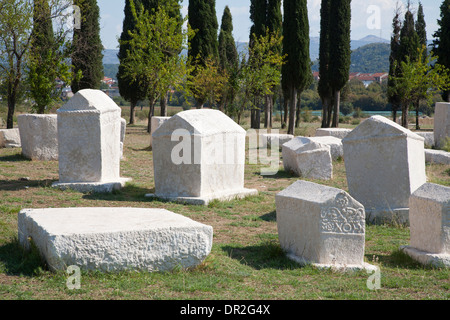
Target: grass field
x=246, y=262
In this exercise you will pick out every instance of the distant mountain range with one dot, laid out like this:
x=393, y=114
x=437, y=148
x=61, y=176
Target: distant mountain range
x=373, y=52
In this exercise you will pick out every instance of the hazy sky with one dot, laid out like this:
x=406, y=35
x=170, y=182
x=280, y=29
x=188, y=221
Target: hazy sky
x=369, y=17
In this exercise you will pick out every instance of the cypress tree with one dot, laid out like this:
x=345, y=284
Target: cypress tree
x=228, y=56
x=324, y=88
x=203, y=19
x=394, y=60
x=41, y=53
x=422, y=38
x=340, y=52
x=258, y=15
x=204, y=44
x=409, y=45
x=296, y=72
x=130, y=90
x=274, y=24
x=441, y=43
x=87, y=56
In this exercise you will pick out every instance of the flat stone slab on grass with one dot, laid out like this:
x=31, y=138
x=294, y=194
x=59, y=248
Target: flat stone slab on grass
x=280, y=137
x=115, y=239
x=339, y=133
x=437, y=156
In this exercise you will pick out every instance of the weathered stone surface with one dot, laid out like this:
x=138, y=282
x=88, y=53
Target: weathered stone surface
x=307, y=158
x=115, y=239
x=39, y=136
x=335, y=144
x=198, y=156
x=10, y=138
x=385, y=164
x=339, y=133
x=89, y=129
x=123, y=129
x=156, y=123
x=321, y=225
x=267, y=139
x=437, y=156
x=429, y=216
x=441, y=123
x=428, y=136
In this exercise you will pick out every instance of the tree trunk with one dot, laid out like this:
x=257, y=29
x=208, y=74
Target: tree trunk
x=12, y=94
x=292, y=107
x=258, y=119
x=298, y=112
x=133, y=112
x=267, y=111
x=163, y=104
x=284, y=120
x=271, y=113
x=325, y=106
x=151, y=113
x=394, y=114
x=405, y=113
x=417, y=115
x=337, y=101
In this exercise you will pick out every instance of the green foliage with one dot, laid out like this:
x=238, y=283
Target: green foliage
x=203, y=22
x=371, y=58
x=441, y=44
x=420, y=79
x=152, y=60
x=47, y=60
x=87, y=48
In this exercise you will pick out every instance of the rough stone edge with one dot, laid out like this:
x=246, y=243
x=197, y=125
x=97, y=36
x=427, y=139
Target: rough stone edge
x=426, y=258
x=204, y=201
x=334, y=267
x=99, y=187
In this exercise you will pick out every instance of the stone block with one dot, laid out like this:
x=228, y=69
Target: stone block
x=156, y=123
x=39, y=136
x=428, y=136
x=10, y=138
x=322, y=226
x=308, y=159
x=429, y=215
x=115, y=239
x=385, y=164
x=339, y=133
x=89, y=129
x=441, y=123
x=199, y=156
x=437, y=156
x=267, y=139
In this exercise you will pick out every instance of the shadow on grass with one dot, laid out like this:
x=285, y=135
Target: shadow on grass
x=269, y=217
x=16, y=185
x=281, y=174
x=130, y=192
x=268, y=255
x=18, y=261
x=397, y=259
x=18, y=157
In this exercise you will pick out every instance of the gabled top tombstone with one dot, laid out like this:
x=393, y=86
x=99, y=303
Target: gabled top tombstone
x=89, y=128
x=198, y=156
x=385, y=164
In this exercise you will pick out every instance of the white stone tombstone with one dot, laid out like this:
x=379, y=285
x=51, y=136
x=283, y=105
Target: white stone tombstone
x=308, y=159
x=156, y=123
x=39, y=136
x=385, y=164
x=115, y=239
x=340, y=133
x=199, y=156
x=321, y=225
x=430, y=225
x=441, y=123
x=123, y=129
x=268, y=138
x=10, y=138
x=89, y=128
